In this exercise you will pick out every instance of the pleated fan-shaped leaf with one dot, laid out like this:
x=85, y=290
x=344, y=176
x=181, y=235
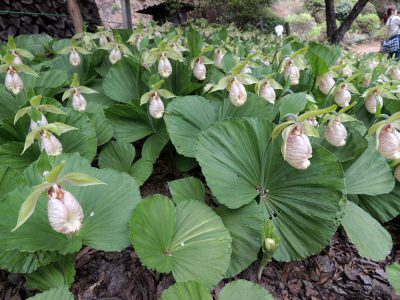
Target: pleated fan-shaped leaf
x=240, y=163
x=61, y=293
x=243, y=289
x=186, y=116
x=190, y=290
x=188, y=240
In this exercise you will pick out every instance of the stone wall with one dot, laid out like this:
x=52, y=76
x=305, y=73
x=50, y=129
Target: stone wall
x=55, y=26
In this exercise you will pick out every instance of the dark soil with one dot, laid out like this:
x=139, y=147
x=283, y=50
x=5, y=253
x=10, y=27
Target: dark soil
x=336, y=273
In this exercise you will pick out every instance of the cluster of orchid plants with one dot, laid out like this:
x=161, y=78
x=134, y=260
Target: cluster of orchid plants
x=264, y=116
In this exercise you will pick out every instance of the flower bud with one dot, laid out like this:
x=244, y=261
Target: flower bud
x=397, y=173
x=78, y=102
x=218, y=59
x=291, y=72
x=347, y=71
x=115, y=55
x=269, y=245
x=326, y=83
x=237, y=93
x=17, y=59
x=50, y=144
x=13, y=82
x=296, y=147
x=35, y=124
x=64, y=212
x=388, y=142
x=343, y=96
x=164, y=67
x=313, y=121
x=156, y=107
x=245, y=70
x=74, y=58
x=367, y=81
x=336, y=133
x=139, y=41
x=103, y=40
x=268, y=93
x=394, y=73
x=199, y=70
x=372, y=101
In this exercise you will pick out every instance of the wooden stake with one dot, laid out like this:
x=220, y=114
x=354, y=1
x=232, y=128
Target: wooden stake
x=76, y=16
x=126, y=14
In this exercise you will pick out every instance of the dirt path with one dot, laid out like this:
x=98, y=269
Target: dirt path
x=282, y=9
x=373, y=46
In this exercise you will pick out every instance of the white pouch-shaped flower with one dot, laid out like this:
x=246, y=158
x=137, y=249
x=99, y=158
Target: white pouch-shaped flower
x=268, y=93
x=335, y=133
x=343, y=96
x=13, y=82
x=296, y=147
x=78, y=102
x=237, y=93
x=164, y=67
x=115, y=55
x=388, y=142
x=17, y=60
x=292, y=73
x=218, y=59
x=103, y=41
x=64, y=212
x=326, y=83
x=372, y=101
x=50, y=144
x=74, y=58
x=156, y=107
x=199, y=70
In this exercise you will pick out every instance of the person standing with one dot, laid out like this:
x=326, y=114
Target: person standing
x=392, y=22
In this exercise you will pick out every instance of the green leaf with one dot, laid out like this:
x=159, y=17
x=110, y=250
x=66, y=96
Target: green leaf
x=8, y=103
x=383, y=207
x=393, y=274
x=188, y=240
x=379, y=180
x=292, y=103
x=228, y=62
x=26, y=262
x=186, y=188
x=51, y=109
x=83, y=140
x=57, y=274
x=186, y=116
x=10, y=155
x=190, y=290
x=195, y=41
x=321, y=57
x=104, y=130
x=243, y=289
x=79, y=179
x=9, y=180
x=371, y=239
x=118, y=156
x=122, y=83
x=29, y=205
x=245, y=225
x=61, y=293
x=240, y=164
x=52, y=176
x=130, y=122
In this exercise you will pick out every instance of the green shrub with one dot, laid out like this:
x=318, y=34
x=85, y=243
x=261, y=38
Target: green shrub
x=303, y=26
x=343, y=9
x=367, y=23
x=271, y=20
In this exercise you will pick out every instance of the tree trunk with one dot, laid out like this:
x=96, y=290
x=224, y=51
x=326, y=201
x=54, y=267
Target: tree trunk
x=330, y=19
x=346, y=24
x=335, y=35
x=76, y=16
